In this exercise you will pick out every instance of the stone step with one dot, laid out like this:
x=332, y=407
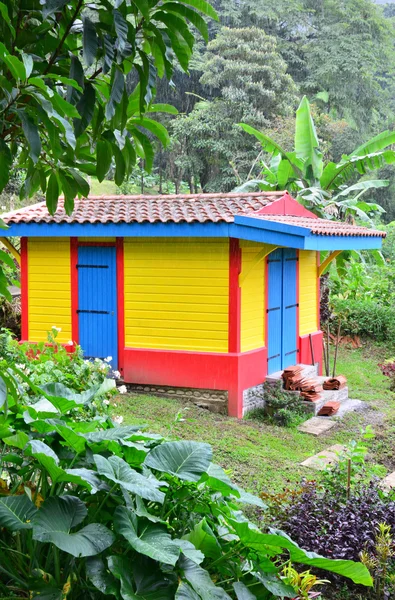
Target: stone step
x=308, y=371
x=326, y=396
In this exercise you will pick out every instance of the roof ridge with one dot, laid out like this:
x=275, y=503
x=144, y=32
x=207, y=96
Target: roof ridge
x=198, y=196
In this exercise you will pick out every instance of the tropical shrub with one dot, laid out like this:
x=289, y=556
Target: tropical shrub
x=316, y=519
x=345, y=515
x=330, y=189
x=281, y=407
x=87, y=508
x=366, y=318
x=50, y=361
x=388, y=369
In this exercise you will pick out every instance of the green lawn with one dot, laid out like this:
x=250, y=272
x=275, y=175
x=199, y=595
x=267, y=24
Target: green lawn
x=264, y=457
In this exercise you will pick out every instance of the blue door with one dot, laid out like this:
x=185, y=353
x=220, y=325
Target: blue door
x=97, y=302
x=282, y=310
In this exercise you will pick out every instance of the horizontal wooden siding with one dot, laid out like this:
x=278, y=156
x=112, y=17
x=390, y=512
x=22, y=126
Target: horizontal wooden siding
x=252, y=296
x=177, y=294
x=49, y=288
x=308, y=301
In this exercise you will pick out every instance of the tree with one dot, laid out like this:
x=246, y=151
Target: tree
x=330, y=189
x=244, y=77
x=64, y=109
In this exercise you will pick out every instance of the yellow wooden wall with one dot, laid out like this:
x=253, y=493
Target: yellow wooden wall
x=177, y=294
x=49, y=288
x=252, y=296
x=308, y=307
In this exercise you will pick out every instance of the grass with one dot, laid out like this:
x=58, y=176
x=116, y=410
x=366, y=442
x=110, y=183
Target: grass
x=264, y=457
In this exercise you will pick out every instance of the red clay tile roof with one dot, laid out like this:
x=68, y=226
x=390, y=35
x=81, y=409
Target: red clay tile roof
x=181, y=208
x=322, y=226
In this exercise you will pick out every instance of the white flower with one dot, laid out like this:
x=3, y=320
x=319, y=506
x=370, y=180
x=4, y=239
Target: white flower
x=70, y=343
x=108, y=359
x=20, y=366
x=58, y=329
x=114, y=405
x=122, y=389
x=116, y=374
x=118, y=419
x=97, y=360
x=106, y=402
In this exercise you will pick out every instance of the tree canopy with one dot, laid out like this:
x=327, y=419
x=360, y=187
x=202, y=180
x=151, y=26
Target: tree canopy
x=64, y=108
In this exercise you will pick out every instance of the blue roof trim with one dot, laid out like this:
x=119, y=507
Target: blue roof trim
x=117, y=230
x=269, y=232
x=272, y=225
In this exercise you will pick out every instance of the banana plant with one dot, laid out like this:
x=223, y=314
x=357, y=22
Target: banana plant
x=326, y=189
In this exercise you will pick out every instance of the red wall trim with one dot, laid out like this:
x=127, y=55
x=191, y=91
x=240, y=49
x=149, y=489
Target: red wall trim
x=24, y=290
x=121, y=304
x=233, y=372
x=297, y=307
x=305, y=350
x=266, y=315
x=97, y=244
x=318, y=292
x=234, y=296
x=74, y=288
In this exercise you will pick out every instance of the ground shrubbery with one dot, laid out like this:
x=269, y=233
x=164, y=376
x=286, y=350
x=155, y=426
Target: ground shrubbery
x=345, y=515
x=88, y=508
x=366, y=318
x=50, y=361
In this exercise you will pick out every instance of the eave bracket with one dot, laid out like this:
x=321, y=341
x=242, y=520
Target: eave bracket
x=328, y=261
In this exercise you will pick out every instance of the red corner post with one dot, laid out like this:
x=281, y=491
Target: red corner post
x=120, y=303
x=24, y=291
x=74, y=288
x=235, y=394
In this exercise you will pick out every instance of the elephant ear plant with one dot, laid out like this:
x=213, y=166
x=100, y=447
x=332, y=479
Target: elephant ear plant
x=92, y=510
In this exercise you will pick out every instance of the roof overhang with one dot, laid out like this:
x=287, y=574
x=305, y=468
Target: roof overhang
x=295, y=236
x=244, y=228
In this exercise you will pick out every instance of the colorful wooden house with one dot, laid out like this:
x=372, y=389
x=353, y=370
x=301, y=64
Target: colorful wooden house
x=205, y=292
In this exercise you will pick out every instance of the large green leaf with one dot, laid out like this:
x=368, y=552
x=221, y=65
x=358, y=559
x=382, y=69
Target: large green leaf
x=201, y=582
x=216, y=479
x=278, y=541
x=204, y=7
x=118, y=86
x=306, y=139
x=185, y=592
x=203, y=538
x=242, y=592
x=50, y=462
x=64, y=398
x=104, y=158
x=30, y=131
x=58, y=515
x=90, y=42
x=16, y=512
x=141, y=578
x=118, y=471
x=376, y=143
x=186, y=460
x=114, y=434
x=190, y=14
x=362, y=186
x=146, y=538
x=154, y=127
x=268, y=144
x=98, y=573
x=52, y=192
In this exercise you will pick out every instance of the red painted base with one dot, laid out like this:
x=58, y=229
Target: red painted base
x=305, y=357
x=232, y=372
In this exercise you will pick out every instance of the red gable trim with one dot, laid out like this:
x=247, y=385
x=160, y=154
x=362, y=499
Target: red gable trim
x=286, y=206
